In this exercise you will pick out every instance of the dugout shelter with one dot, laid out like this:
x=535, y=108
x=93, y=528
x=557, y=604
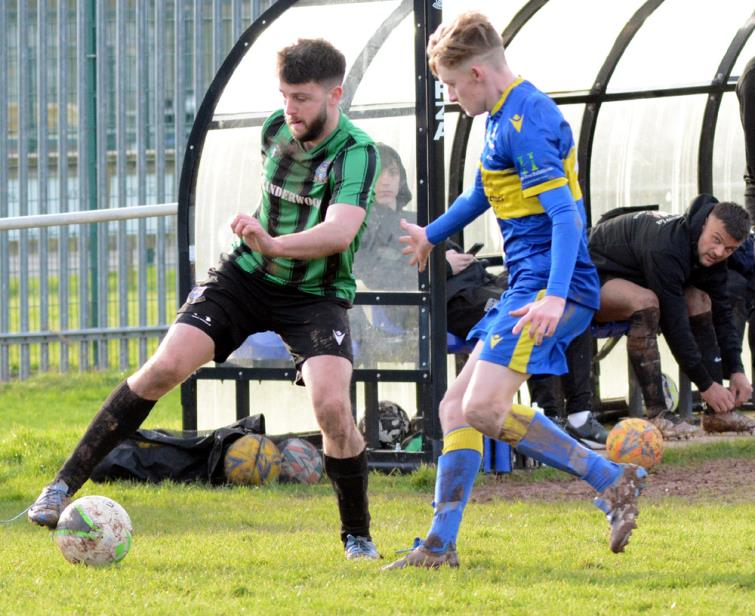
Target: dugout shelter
x=647, y=86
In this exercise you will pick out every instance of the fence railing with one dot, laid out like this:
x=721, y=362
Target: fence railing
x=135, y=298
x=97, y=99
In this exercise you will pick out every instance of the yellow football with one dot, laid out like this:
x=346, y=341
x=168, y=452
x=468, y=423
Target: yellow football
x=635, y=441
x=252, y=460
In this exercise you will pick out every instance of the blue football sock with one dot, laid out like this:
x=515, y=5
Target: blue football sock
x=537, y=437
x=457, y=470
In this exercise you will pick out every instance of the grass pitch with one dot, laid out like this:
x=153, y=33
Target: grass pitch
x=204, y=550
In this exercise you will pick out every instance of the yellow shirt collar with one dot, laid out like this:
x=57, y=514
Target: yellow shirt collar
x=506, y=92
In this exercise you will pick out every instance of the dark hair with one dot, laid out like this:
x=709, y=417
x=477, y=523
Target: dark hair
x=387, y=155
x=311, y=60
x=735, y=218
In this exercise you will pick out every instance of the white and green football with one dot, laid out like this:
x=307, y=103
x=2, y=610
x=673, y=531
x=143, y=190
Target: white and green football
x=94, y=531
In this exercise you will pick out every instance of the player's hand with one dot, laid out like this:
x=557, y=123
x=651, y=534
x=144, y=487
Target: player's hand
x=542, y=316
x=740, y=386
x=718, y=398
x=459, y=261
x=417, y=244
x=250, y=230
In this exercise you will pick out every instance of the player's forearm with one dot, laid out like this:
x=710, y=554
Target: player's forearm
x=467, y=206
x=566, y=232
x=327, y=238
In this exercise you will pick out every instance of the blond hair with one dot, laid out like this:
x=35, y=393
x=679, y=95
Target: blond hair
x=469, y=35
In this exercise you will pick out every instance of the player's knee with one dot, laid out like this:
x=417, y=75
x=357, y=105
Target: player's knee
x=475, y=418
x=156, y=378
x=334, y=417
x=450, y=410
x=644, y=300
x=698, y=302
x=483, y=413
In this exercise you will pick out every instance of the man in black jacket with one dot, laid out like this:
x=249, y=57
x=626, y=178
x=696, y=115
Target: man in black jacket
x=670, y=271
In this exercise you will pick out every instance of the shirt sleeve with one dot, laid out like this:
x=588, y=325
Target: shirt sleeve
x=567, y=228
x=353, y=175
x=270, y=129
x=728, y=340
x=664, y=275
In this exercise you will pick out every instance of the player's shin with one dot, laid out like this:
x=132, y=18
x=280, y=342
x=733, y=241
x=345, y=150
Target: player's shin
x=457, y=469
x=349, y=477
x=643, y=354
x=120, y=416
x=537, y=437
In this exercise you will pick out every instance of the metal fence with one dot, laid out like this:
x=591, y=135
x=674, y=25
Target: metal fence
x=96, y=102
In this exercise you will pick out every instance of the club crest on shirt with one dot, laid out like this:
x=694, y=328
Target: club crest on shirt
x=196, y=295
x=321, y=173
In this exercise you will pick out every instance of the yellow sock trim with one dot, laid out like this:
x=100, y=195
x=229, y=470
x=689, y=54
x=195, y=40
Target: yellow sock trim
x=516, y=423
x=463, y=438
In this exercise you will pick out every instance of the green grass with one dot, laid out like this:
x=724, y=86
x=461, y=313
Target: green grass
x=202, y=550
x=32, y=303
x=699, y=453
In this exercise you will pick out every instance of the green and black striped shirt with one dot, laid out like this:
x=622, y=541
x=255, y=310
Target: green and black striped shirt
x=297, y=188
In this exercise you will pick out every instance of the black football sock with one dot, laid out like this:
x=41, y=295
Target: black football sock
x=577, y=382
x=545, y=391
x=120, y=416
x=349, y=479
x=642, y=348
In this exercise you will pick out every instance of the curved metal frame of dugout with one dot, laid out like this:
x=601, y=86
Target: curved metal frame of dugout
x=592, y=100
x=431, y=376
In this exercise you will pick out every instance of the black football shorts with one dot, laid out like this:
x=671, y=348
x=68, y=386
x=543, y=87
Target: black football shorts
x=231, y=305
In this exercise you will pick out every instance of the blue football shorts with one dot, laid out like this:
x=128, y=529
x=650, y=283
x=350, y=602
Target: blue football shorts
x=519, y=352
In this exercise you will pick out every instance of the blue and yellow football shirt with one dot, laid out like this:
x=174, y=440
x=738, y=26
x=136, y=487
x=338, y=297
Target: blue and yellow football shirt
x=529, y=149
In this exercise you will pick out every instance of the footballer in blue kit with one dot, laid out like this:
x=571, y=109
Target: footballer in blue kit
x=527, y=176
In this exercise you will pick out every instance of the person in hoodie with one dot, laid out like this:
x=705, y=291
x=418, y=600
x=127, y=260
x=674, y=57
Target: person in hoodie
x=380, y=330
x=377, y=264
x=470, y=289
x=669, y=272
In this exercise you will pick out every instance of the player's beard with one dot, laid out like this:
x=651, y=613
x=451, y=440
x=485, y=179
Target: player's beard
x=314, y=130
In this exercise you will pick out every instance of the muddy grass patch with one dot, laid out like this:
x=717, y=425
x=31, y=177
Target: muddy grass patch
x=729, y=480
